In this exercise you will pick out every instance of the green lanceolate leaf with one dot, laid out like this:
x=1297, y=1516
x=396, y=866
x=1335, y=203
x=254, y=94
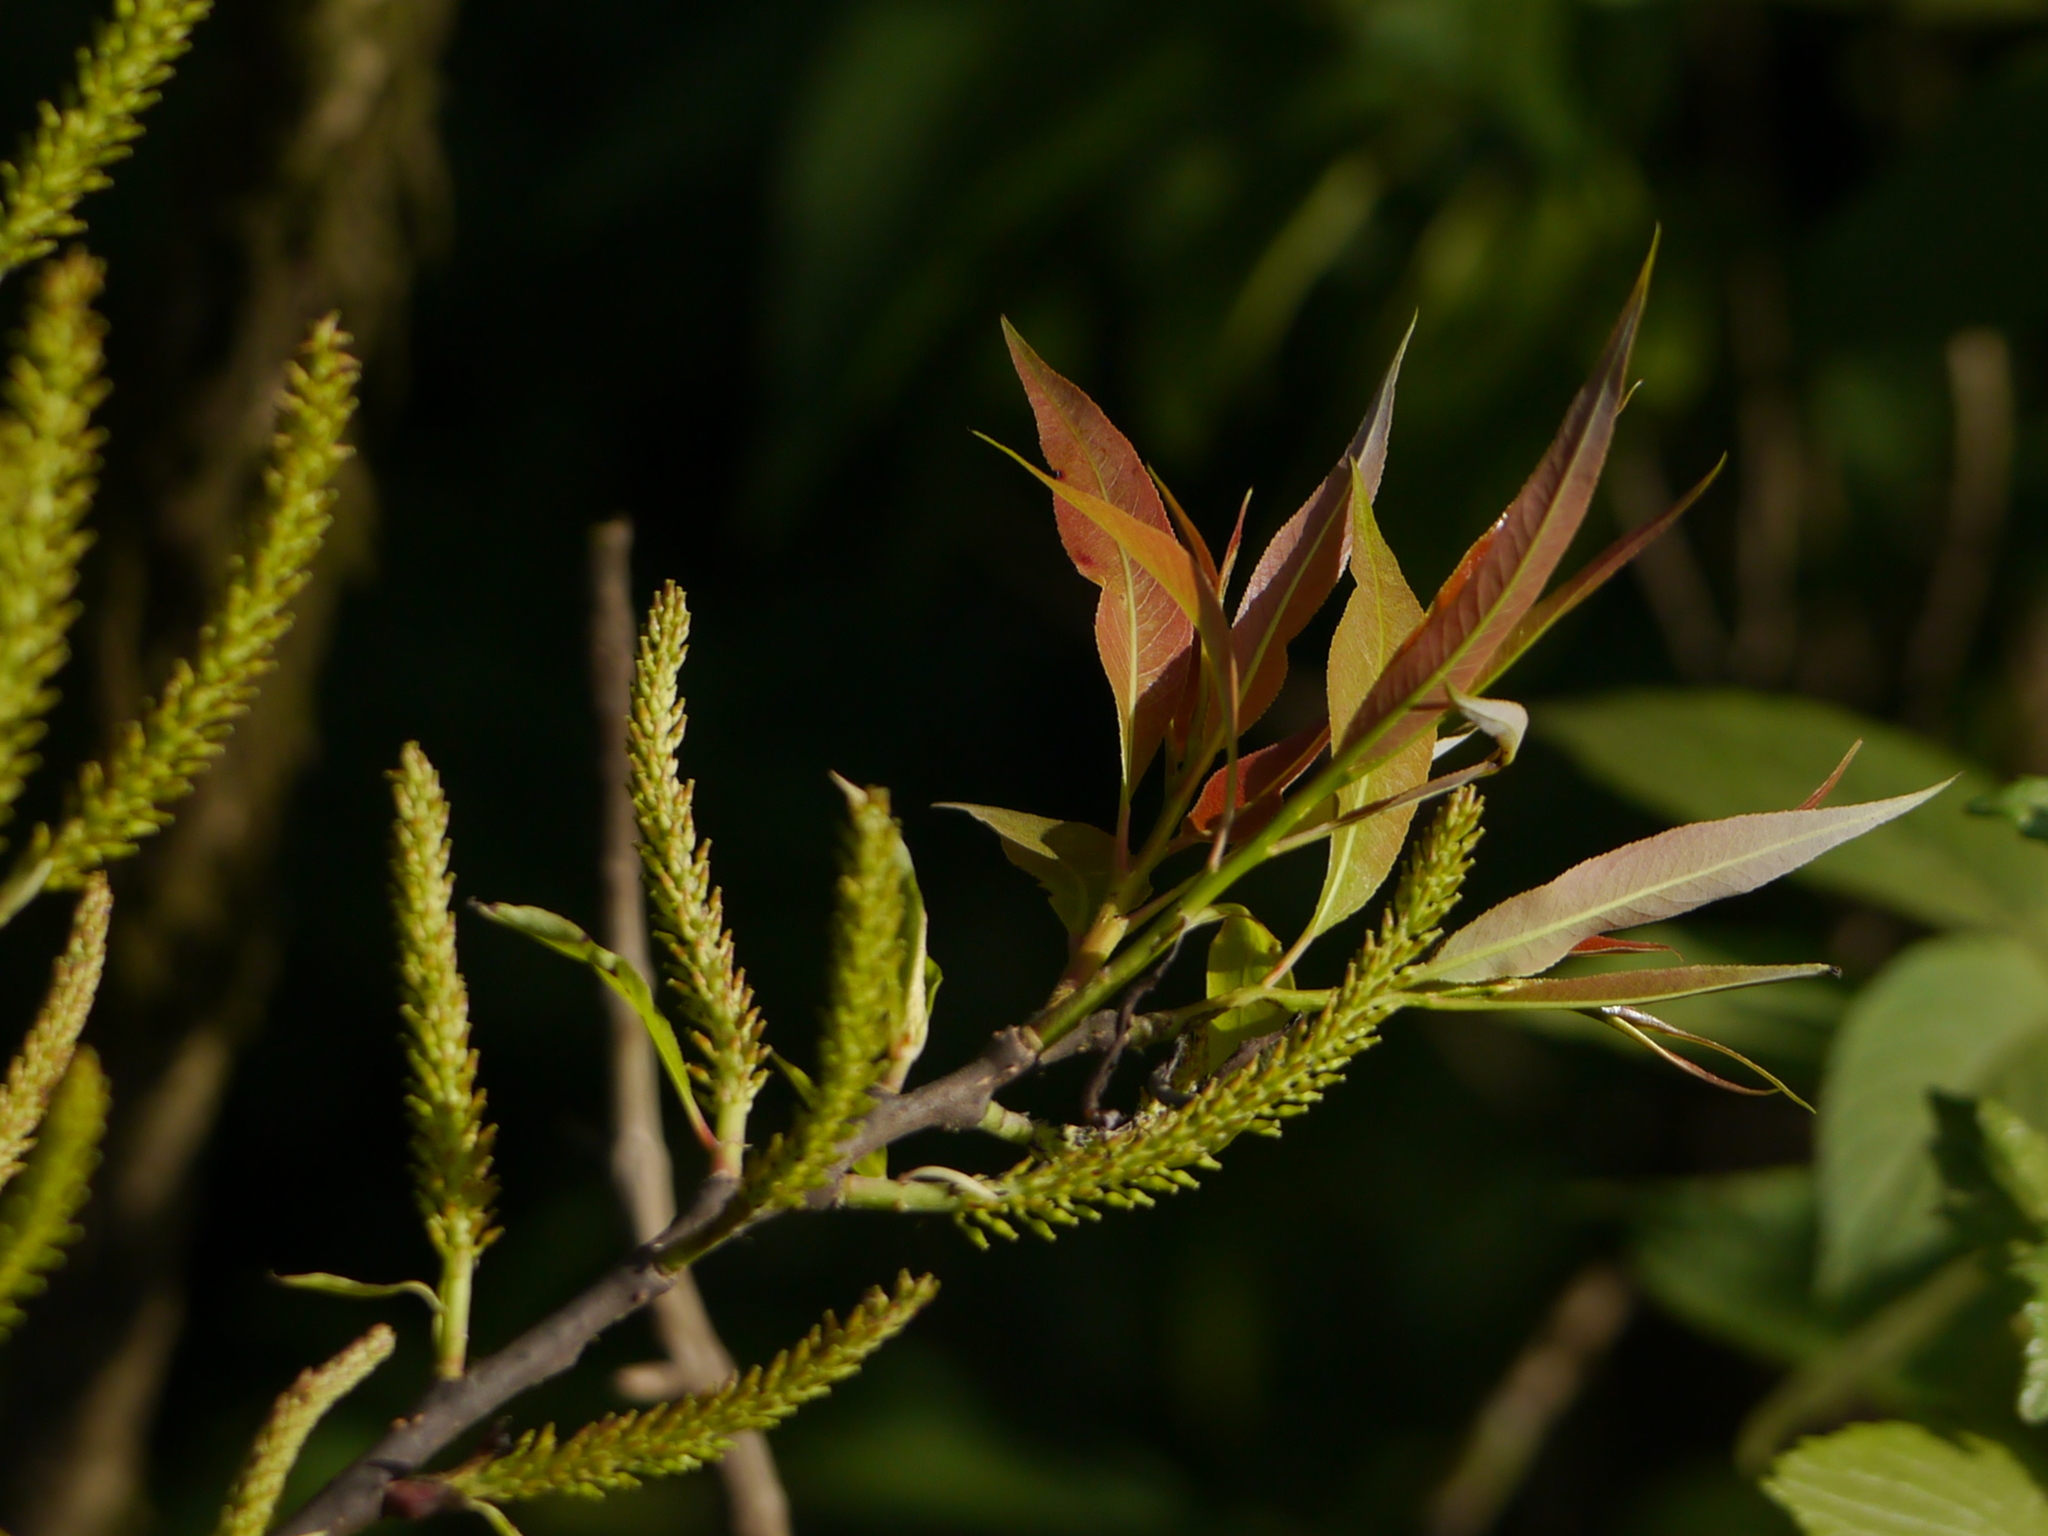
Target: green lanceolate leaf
x=1615, y=988
x=360, y=1290
x=1142, y=633
x=1963, y=1013
x=1694, y=753
x=1301, y=565
x=1897, y=1479
x=1076, y=863
x=616, y=972
x=1649, y=881
x=1381, y=612
x=1242, y=953
x=36, y=1217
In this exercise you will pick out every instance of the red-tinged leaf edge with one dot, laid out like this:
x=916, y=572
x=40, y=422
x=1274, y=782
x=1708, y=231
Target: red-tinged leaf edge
x=1607, y=944
x=1505, y=570
x=1645, y=984
x=1827, y=786
x=1156, y=550
x=1594, y=575
x=1634, y=1023
x=1144, y=643
x=1302, y=563
x=1263, y=776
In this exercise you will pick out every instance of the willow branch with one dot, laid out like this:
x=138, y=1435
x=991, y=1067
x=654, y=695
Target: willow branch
x=356, y=1496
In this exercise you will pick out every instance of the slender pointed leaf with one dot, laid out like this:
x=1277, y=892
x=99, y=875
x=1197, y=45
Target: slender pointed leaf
x=1141, y=634
x=1381, y=612
x=1076, y=863
x=1691, y=754
x=1478, y=608
x=1648, y=881
x=1263, y=776
x=1618, y=988
x=1300, y=567
x=615, y=971
x=1607, y=944
x=1592, y=577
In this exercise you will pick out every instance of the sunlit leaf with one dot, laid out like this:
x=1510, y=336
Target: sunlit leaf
x=1695, y=753
x=1300, y=567
x=1654, y=984
x=1141, y=633
x=361, y=1290
x=1076, y=863
x=615, y=971
x=1898, y=1479
x=1478, y=608
x=1590, y=579
x=1241, y=954
x=1262, y=777
x=1505, y=721
x=1648, y=881
x=1381, y=612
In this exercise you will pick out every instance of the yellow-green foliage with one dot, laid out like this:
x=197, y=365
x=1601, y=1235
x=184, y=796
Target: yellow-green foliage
x=619, y=1450
x=689, y=914
x=46, y=1054
x=157, y=757
x=864, y=1011
x=298, y=1408
x=49, y=453
x=451, y=1139
x=1156, y=1151
x=35, y=1218
x=68, y=154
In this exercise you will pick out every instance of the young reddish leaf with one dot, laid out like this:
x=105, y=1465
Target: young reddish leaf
x=1300, y=567
x=1827, y=785
x=1616, y=988
x=1380, y=613
x=1141, y=634
x=1478, y=608
x=1649, y=881
x=1592, y=577
x=1076, y=863
x=1607, y=944
x=1262, y=777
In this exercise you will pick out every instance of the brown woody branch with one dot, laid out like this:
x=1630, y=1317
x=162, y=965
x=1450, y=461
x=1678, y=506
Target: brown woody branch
x=358, y=1494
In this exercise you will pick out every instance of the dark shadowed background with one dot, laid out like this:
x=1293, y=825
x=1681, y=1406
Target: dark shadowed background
x=737, y=271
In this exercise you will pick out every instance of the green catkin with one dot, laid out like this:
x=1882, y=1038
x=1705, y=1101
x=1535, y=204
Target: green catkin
x=49, y=454
x=688, y=911
x=620, y=1450
x=67, y=155
x=293, y=1416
